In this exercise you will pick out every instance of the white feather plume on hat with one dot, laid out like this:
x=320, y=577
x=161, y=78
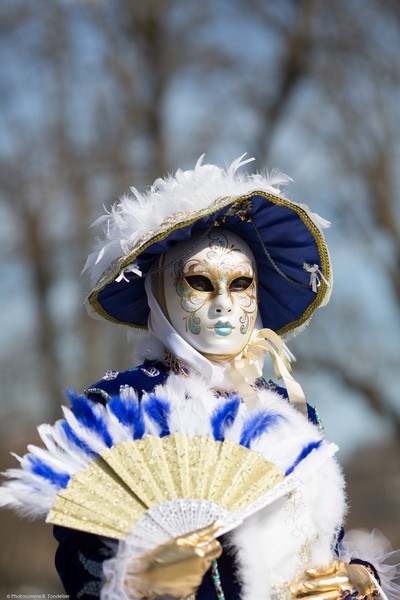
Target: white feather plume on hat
x=134, y=215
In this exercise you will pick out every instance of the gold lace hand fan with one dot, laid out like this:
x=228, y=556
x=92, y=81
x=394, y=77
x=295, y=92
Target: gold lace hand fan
x=186, y=482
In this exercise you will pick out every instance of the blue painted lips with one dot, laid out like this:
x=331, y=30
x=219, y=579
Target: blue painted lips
x=223, y=328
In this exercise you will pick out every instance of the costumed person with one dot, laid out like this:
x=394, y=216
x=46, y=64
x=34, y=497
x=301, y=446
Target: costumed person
x=190, y=475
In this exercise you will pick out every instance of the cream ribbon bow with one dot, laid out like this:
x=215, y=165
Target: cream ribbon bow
x=247, y=367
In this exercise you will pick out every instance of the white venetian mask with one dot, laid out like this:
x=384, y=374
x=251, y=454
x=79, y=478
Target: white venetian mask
x=210, y=292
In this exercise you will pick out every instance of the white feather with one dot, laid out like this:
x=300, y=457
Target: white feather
x=118, y=431
x=100, y=256
x=236, y=164
x=29, y=494
x=191, y=406
x=56, y=441
x=90, y=438
x=55, y=460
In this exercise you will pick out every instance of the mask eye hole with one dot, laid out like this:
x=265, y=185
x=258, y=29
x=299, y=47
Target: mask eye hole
x=240, y=284
x=200, y=283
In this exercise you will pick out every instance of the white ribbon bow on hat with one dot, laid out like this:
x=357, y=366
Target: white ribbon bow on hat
x=315, y=276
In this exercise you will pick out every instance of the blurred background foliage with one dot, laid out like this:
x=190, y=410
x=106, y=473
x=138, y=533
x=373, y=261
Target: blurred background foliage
x=99, y=95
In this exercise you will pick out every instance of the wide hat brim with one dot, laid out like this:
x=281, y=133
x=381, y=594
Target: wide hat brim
x=284, y=237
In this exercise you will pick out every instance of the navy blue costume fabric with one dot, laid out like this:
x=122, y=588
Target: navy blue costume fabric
x=80, y=555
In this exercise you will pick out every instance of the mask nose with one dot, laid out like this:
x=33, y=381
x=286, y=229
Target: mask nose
x=221, y=304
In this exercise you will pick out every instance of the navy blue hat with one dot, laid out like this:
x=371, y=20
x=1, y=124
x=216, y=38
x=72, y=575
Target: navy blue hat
x=294, y=270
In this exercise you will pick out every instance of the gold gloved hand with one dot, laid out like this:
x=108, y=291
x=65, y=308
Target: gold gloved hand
x=340, y=581
x=175, y=568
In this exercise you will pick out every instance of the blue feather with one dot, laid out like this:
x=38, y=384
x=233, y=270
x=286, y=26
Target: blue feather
x=85, y=411
x=303, y=454
x=129, y=412
x=159, y=410
x=258, y=424
x=72, y=437
x=40, y=468
x=223, y=417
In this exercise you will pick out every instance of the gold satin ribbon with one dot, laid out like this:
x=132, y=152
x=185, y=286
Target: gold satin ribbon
x=247, y=367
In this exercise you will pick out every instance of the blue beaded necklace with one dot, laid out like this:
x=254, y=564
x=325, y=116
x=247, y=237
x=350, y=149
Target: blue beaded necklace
x=217, y=580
